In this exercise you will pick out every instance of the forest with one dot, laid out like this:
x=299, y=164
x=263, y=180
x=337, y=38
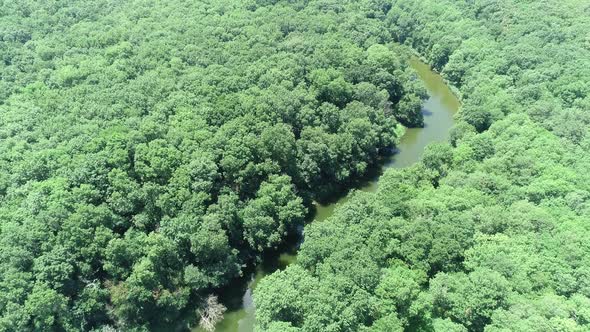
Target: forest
x=151, y=150
x=489, y=232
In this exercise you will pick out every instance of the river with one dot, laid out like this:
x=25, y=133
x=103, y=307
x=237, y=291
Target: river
x=438, y=110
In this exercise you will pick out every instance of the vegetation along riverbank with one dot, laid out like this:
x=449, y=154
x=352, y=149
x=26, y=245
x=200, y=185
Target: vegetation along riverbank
x=490, y=230
x=151, y=151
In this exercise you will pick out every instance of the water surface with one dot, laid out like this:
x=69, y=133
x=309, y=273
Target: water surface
x=438, y=110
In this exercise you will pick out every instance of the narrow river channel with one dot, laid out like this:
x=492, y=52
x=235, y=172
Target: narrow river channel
x=438, y=109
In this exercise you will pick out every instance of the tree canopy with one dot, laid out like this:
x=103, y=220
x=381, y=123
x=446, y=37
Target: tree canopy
x=150, y=150
x=489, y=232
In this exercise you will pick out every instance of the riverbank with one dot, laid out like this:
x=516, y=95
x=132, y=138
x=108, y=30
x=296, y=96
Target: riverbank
x=438, y=110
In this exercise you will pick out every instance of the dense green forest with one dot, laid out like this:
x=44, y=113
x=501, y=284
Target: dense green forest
x=150, y=150
x=490, y=231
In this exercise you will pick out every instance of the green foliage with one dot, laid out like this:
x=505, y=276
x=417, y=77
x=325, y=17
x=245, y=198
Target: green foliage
x=389, y=323
x=150, y=151
x=489, y=232
x=274, y=212
x=399, y=292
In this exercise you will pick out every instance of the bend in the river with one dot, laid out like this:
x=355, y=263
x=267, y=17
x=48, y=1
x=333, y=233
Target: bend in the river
x=439, y=110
